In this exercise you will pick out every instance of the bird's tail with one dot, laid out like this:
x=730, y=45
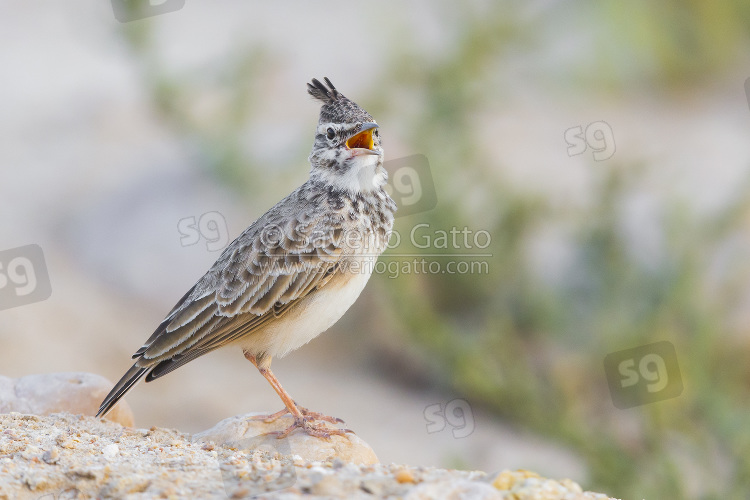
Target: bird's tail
x=126, y=383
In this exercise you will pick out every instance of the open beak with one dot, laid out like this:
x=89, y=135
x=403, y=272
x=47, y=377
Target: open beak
x=363, y=141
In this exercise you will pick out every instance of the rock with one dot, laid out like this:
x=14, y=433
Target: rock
x=528, y=484
x=47, y=393
x=239, y=432
x=455, y=488
x=69, y=456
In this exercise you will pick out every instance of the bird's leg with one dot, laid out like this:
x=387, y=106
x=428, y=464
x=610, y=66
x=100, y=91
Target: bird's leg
x=303, y=417
x=291, y=407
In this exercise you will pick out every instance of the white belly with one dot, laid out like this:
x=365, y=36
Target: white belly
x=310, y=318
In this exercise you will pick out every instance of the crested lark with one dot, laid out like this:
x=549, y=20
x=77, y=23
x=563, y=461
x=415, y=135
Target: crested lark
x=294, y=272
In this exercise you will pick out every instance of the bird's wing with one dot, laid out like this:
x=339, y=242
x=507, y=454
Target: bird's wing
x=265, y=271
x=295, y=248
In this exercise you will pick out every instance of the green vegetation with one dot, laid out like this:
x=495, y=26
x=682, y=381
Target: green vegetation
x=528, y=348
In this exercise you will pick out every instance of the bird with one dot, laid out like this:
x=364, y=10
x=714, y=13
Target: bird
x=293, y=272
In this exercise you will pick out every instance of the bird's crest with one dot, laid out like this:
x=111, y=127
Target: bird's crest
x=323, y=93
x=337, y=108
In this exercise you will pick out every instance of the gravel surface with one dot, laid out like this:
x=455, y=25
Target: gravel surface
x=67, y=456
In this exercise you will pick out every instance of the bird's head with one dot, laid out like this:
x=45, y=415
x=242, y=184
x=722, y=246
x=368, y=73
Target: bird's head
x=347, y=153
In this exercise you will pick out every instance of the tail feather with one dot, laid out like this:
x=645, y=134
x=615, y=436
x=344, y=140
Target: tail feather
x=171, y=364
x=126, y=383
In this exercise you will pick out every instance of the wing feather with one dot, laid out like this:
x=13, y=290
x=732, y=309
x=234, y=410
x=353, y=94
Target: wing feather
x=264, y=303
x=254, y=281
x=190, y=312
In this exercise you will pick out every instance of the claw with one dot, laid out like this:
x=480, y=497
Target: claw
x=310, y=424
x=312, y=428
x=311, y=415
x=314, y=415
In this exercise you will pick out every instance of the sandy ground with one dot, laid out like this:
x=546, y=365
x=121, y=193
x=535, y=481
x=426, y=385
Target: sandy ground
x=63, y=456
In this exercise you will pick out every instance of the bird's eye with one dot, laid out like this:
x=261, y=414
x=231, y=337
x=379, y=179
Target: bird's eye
x=330, y=133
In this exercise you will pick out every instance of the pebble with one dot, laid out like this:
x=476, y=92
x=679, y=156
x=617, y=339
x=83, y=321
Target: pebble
x=405, y=476
x=111, y=450
x=52, y=455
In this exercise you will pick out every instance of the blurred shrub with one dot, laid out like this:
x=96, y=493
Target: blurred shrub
x=524, y=347
x=533, y=351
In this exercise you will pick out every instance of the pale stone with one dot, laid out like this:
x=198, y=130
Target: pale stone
x=246, y=434
x=48, y=393
x=454, y=488
x=111, y=450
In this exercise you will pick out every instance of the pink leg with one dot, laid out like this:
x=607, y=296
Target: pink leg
x=303, y=418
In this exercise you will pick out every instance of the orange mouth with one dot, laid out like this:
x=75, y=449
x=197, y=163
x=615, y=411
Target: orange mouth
x=362, y=140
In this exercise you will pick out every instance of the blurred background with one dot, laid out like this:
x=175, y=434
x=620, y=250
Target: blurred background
x=600, y=148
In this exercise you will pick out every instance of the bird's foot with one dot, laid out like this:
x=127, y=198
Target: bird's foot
x=311, y=427
x=314, y=415
x=273, y=417
x=308, y=414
